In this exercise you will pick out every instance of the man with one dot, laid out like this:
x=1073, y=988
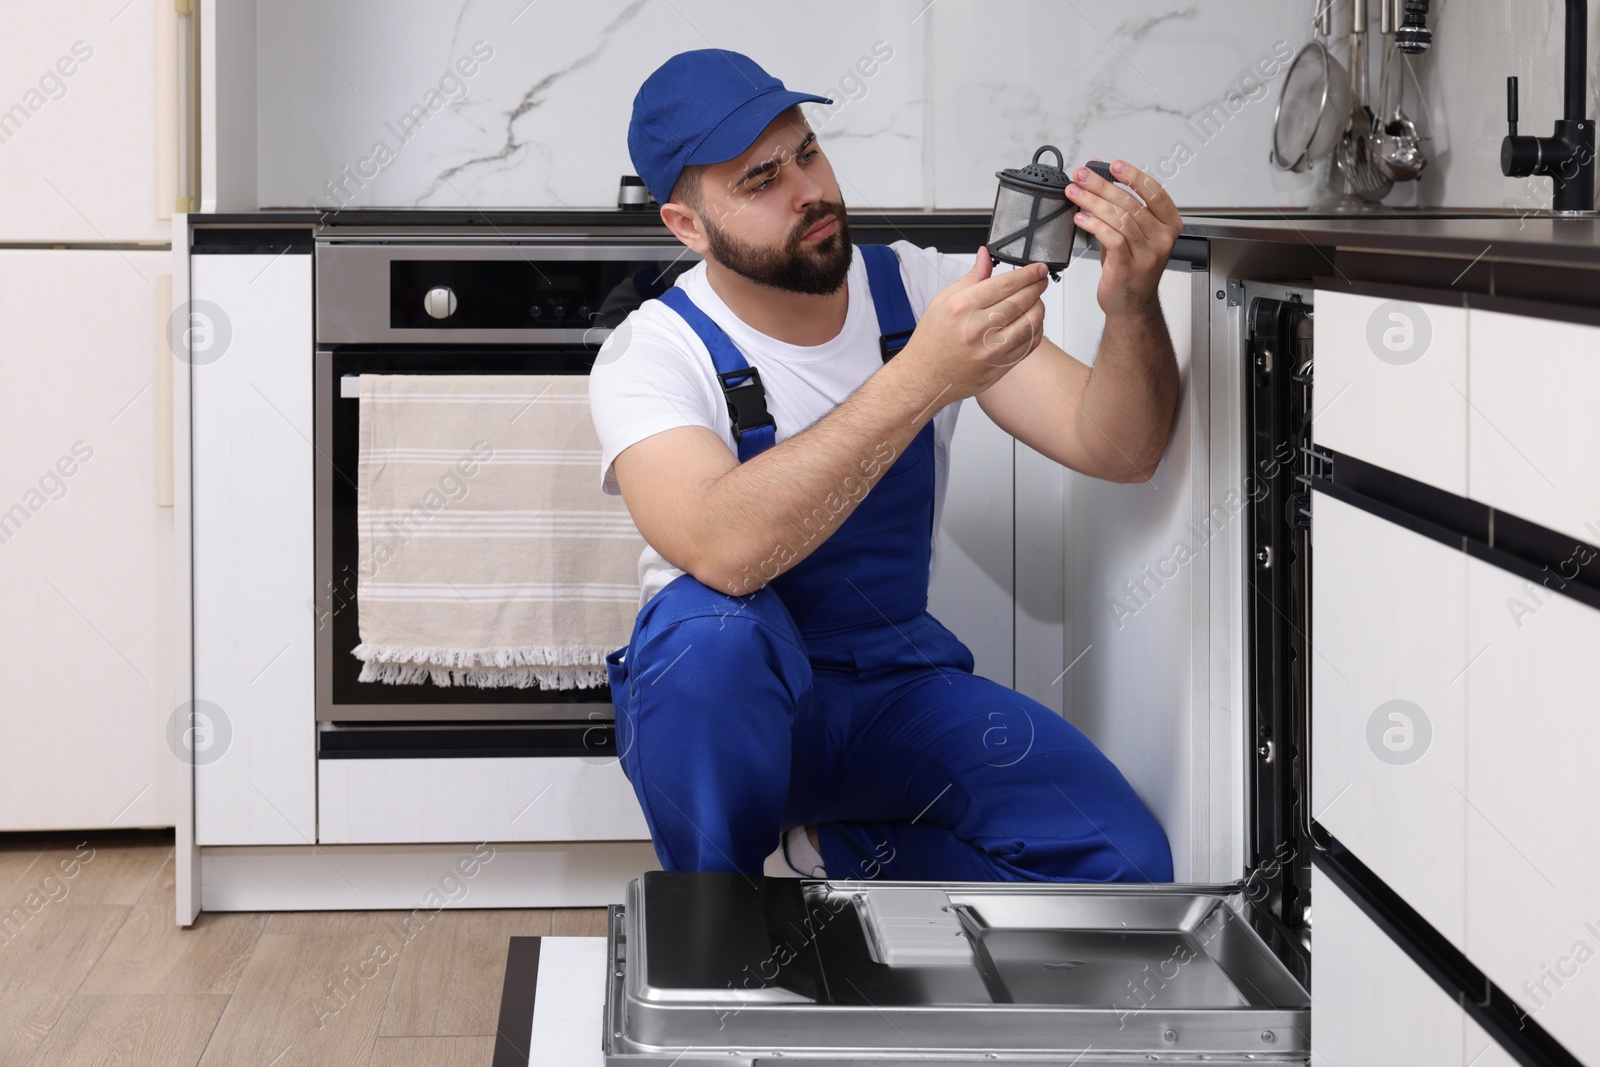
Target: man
x=786, y=704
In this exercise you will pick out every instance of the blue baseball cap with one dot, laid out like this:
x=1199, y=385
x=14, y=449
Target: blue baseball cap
x=705, y=106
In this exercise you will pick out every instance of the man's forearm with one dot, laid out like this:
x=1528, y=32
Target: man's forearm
x=1131, y=394
x=768, y=513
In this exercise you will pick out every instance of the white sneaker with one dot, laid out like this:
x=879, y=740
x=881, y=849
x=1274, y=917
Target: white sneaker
x=777, y=865
x=794, y=857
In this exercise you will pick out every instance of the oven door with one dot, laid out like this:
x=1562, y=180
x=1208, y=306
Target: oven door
x=340, y=697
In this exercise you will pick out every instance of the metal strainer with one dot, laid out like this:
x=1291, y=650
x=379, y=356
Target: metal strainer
x=1312, y=109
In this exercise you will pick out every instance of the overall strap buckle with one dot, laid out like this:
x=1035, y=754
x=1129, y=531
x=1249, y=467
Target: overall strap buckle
x=753, y=425
x=891, y=343
x=747, y=400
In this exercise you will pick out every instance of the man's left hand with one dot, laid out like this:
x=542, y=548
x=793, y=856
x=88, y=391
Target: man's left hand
x=1136, y=235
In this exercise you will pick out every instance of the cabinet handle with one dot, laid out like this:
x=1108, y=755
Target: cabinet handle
x=177, y=108
x=163, y=391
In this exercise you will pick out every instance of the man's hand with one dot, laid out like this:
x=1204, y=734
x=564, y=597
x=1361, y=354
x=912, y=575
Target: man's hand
x=1136, y=238
x=978, y=327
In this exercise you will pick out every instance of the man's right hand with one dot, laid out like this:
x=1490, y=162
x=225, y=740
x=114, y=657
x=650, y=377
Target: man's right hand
x=979, y=327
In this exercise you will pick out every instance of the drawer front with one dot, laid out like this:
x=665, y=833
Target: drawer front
x=1533, y=831
x=1369, y=1003
x=1388, y=705
x=1392, y=385
x=420, y=801
x=1481, y=1050
x=1535, y=421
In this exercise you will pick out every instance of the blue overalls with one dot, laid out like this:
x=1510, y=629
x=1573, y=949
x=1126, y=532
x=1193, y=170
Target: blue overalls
x=831, y=696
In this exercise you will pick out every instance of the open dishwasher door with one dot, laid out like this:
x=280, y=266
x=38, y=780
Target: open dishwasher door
x=719, y=968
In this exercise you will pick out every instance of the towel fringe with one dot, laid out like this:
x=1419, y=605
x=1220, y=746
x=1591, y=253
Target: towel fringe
x=518, y=666
x=520, y=678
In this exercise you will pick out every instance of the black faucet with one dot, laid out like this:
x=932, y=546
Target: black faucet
x=1567, y=156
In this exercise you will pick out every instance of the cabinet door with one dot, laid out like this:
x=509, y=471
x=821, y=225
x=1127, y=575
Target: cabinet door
x=254, y=625
x=1392, y=385
x=414, y=801
x=1369, y=1003
x=79, y=122
x=1534, y=431
x=86, y=564
x=1533, y=832
x=1481, y=1050
x=973, y=585
x=1388, y=704
x=1111, y=581
x=1134, y=667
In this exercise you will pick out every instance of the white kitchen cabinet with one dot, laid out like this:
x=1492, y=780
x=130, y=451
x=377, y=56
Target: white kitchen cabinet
x=86, y=543
x=1481, y=1050
x=1370, y=1005
x=1533, y=871
x=1535, y=437
x=972, y=587
x=1389, y=704
x=254, y=624
x=1033, y=564
x=1392, y=385
x=1135, y=660
x=408, y=801
x=1039, y=608
x=89, y=121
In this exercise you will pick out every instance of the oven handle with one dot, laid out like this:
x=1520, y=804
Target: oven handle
x=349, y=387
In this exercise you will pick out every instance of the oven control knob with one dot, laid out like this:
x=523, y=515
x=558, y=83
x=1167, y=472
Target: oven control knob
x=440, y=303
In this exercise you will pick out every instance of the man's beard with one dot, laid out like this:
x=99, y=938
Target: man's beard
x=816, y=268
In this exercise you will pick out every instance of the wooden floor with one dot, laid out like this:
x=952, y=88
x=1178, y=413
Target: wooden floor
x=95, y=971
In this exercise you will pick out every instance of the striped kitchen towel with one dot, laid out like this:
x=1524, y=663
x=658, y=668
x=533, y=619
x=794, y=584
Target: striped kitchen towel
x=488, y=555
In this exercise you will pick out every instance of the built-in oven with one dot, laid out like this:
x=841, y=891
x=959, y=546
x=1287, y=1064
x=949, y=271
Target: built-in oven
x=513, y=305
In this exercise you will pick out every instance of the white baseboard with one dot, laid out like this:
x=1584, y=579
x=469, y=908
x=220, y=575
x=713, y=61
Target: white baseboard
x=565, y=874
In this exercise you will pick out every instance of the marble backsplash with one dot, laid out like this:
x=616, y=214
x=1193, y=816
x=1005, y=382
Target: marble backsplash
x=525, y=103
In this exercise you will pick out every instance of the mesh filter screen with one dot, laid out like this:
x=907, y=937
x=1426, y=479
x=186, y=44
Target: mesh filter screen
x=1300, y=107
x=1013, y=212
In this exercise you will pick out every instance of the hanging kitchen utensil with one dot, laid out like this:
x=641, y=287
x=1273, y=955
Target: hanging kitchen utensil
x=1355, y=157
x=1356, y=161
x=1363, y=183
x=1313, y=106
x=1396, y=145
x=1398, y=149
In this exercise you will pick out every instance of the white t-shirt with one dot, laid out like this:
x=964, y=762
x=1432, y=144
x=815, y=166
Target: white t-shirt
x=654, y=373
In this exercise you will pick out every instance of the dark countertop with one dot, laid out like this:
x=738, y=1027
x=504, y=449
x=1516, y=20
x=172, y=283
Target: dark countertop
x=1498, y=235
x=512, y=218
